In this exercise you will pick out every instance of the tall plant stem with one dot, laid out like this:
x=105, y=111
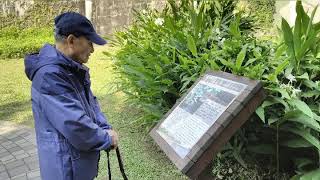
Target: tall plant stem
x=277, y=153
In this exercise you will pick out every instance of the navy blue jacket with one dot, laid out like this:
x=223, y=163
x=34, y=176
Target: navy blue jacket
x=70, y=127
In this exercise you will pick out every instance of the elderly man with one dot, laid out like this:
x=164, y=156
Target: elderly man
x=70, y=127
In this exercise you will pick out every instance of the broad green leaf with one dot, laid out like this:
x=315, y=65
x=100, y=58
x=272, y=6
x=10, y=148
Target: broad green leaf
x=310, y=37
x=165, y=59
x=310, y=22
x=283, y=93
x=186, y=81
x=241, y=57
x=310, y=84
x=288, y=70
x=298, y=116
x=214, y=65
x=297, y=26
x=300, y=162
x=226, y=63
x=170, y=24
x=281, y=67
x=273, y=77
x=218, y=5
x=158, y=69
x=317, y=26
x=269, y=102
x=173, y=55
x=234, y=28
x=132, y=71
x=296, y=143
x=302, y=106
x=309, y=94
x=252, y=60
x=303, y=76
x=256, y=53
x=281, y=101
x=192, y=45
x=307, y=45
x=316, y=117
x=280, y=50
x=305, y=134
x=305, y=20
x=312, y=175
x=260, y=113
x=288, y=36
x=167, y=82
x=272, y=120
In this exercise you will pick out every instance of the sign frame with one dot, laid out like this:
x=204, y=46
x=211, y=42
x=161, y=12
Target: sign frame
x=201, y=154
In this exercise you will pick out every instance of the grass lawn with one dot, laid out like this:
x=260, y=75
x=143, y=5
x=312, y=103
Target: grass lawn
x=142, y=158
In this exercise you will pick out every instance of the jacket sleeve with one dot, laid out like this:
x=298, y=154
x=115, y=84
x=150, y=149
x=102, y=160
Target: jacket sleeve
x=101, y=118
x=62, y=106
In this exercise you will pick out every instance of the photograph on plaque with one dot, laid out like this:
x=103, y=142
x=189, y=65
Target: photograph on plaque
x=197, y=112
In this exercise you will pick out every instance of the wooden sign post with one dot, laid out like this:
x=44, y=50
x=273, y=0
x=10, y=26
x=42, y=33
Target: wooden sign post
x=203, y=120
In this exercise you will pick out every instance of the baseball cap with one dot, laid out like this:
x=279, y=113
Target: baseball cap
x=78, y=25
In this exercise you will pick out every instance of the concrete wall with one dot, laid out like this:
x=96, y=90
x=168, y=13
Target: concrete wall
x=286, y=9
x=111, y=15
x=106, y=15
x=19, y=7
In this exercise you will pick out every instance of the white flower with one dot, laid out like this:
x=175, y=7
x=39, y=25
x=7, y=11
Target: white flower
x=144, y=11
x=159, y=21
x=283, y=86
x=286, y=86
x=222, y=40
x=217, y=30
x=291, y=78
x=195, y=4
x=295, y=92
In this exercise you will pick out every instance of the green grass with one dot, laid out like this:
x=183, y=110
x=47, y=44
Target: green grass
x=15, y=104
x=142, y=158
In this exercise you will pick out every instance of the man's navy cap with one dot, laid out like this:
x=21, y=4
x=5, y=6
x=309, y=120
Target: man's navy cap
x=78, y=25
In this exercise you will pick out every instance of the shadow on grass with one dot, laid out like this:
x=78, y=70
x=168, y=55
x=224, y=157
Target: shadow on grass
x=18, y=112
x=137, y=147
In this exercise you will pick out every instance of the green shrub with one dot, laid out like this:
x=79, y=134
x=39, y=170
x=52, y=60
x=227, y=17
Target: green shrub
x=292, y=108
x=162, y=54
x=16, y=42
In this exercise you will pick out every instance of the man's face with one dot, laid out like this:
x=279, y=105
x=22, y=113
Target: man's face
x=81, y=49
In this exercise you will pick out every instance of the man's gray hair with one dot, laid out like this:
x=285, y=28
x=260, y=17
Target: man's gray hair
x=58, y=37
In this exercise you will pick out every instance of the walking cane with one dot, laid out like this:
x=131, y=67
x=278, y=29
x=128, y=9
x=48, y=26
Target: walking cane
x=120, y=165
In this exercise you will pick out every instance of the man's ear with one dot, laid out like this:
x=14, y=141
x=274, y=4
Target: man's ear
x=71, y=40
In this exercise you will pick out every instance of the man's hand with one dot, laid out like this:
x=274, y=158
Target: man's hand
x=115, y=138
